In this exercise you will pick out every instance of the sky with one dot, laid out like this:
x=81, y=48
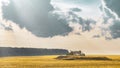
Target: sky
x=92, y=26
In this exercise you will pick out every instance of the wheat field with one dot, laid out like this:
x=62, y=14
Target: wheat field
x=51, y=62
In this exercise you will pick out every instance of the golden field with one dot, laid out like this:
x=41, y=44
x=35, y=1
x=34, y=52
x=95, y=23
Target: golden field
x=51, y=62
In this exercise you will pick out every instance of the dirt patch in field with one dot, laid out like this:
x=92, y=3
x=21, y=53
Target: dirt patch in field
x=82, y=58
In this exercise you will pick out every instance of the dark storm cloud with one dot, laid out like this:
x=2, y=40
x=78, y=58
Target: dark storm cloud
x=115, y=27
x=114, y=5
x=35, y=16
x=109, y=14
x=86, y=24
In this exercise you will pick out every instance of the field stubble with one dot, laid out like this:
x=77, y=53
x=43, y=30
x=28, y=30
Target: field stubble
x=51, y=62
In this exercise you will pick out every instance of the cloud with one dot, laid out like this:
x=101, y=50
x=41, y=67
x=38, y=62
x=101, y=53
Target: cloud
x=113, y=5
x=36, y=17
x=43, y=22
x=85, y=23
x=72, y=15
x=8, y=28
x=76, y=9
x=109, y=14
x=96, y=36
x=115, y=29
x=83, y=2
x=77, y=34
x=112, y=11
x=108, y=38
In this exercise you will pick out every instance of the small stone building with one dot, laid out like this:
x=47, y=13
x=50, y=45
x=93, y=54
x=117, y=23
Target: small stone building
x=76, y=53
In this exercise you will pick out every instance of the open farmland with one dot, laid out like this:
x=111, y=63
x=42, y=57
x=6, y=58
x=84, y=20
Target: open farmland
x=51, y=62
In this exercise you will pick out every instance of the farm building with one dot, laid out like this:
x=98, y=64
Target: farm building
x=76, y=53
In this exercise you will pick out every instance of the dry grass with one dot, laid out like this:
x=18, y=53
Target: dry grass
x=51, y=62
